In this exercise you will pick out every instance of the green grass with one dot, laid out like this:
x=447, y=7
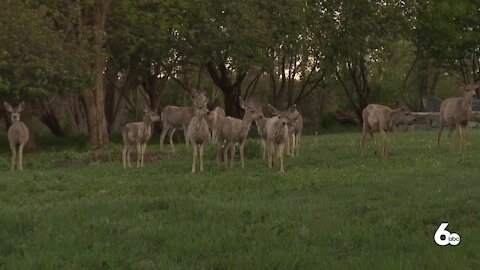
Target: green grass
x=331, y=210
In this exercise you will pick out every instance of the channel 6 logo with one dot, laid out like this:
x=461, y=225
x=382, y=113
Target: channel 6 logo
x=443, y=237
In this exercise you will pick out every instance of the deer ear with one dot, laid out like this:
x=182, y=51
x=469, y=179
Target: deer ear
x=21, y=106
x=274, y=110
x=8, y=107
x=243, y=104
x=293, y=108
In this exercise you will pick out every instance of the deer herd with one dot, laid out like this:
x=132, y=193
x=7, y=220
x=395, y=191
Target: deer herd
x=278, y=133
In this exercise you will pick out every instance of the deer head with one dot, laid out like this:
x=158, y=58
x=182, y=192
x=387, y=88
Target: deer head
x=283, y=116
x=150, y=115
x=252, y=110
x=14, y=112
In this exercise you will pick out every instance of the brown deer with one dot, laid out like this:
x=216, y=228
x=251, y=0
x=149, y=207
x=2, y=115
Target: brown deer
x=277, y=137
x=384, y=119
x=198, y=133
x=455, y=113
x=295, y=127
x=232, y=130
x=213, y=118
x=18, y=134
x=174, y=118
x=137, y=134
x=261, y=123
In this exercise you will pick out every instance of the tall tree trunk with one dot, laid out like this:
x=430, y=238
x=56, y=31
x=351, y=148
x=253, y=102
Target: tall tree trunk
x=47, y=115
x=95, y=98
x=232, y=102
x=231, y=90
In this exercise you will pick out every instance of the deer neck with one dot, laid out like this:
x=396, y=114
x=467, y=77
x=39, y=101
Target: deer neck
x=246, y=124
x=391, y=120
x=467, y=101
x=147, y=123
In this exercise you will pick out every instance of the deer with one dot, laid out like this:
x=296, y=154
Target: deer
x=295, y=126
x=384, y=119
x=18, y=134
x=232, y=130
x=213, y=118
x=277, y=136
x=455, y=113
x=261, y=123
x=198, y=132
x=137, y=134
x=174, y=118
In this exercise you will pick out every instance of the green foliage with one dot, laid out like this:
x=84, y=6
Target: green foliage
x=330, y=210
x=36, y=60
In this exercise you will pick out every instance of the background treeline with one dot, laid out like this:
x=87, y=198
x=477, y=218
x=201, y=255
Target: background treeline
x=88, y=66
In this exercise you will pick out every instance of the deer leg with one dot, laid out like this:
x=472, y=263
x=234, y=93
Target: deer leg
x=262, y=142
x=362, y=141
x=220, y=153
x=185, y=128
x=297, y=143
x=194, y=161
x=289, y=145
x=162, y=135
x=460, y=135
x=124, y=157
x=201, y=157
x=144, y=146
x=232, y=152
x=440, y=135
x=20, y=157
x=242, y=146
x=139, y=152
x=465, y=138
x=294, y=144
x=270, y=154
x=172, y=131
x=14, y=156
x=280, y=154
x=129, y=150
x=225, y=150
x=385, y=143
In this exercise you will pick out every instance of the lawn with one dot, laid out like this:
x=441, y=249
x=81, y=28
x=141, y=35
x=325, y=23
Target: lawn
x=330, y=210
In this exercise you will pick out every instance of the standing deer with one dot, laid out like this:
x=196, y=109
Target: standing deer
x=455, y=113
x=295, y=127
x=174, y=118
x=213, y=119
x=261, y=123
x=198, y=133
x=232, y=130
x=18, y=134
x=277, y=137
x=384, y=119
x=137, y=134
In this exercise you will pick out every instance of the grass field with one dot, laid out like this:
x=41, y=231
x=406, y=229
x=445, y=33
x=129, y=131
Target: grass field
x=331, y=210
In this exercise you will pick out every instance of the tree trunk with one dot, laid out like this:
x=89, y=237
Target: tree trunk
x=232, y=102
x=48, y=117
x=95, y=98
x=231, y=91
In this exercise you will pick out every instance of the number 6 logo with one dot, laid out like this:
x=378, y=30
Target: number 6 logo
x=449, y=238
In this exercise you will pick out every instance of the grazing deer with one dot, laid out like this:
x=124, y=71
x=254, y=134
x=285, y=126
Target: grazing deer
x=137, y=134
x=277, y=137
x=455, y=113
x=384, y=119
x=18, y=134
x=232, y=130
x=295, y=127
x=174, y=118
x=213, y=118
x=198, y=133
